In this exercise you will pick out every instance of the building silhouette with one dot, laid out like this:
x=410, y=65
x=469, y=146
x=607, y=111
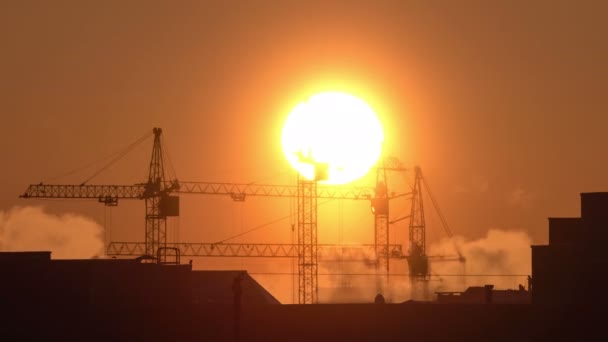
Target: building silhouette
x=138, y=300
x=571, y=268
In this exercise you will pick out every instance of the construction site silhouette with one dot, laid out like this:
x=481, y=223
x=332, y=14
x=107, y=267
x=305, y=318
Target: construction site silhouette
x=135, y=299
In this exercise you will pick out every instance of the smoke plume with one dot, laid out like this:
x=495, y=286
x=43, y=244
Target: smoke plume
x=67, y=236
x=349, y=281
x=502, y=258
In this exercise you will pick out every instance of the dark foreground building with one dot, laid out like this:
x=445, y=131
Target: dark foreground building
x=131, y=300
x=572, y=268
x=117, y=299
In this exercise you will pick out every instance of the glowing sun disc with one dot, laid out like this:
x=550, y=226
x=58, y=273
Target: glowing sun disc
x=336, y=132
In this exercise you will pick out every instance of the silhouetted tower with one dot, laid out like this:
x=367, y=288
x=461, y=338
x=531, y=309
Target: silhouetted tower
x=308, y=248
x=417, y=260
x=308, y=288
x=380, y=208
x=159, y=203
x=156, y=221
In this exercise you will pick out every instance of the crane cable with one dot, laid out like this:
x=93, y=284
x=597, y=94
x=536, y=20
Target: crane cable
x=441, y=217
x=165, y=153
x=118, y=156
x=80, y=168
x=264, y=225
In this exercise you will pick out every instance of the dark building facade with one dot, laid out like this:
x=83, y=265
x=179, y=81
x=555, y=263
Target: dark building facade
x=570, y=269
x=117, y=299
x=132, y=300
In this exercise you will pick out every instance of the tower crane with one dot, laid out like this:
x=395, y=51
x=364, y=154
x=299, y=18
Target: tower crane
x=160, y=196
x=162, y=201
x=417, y=259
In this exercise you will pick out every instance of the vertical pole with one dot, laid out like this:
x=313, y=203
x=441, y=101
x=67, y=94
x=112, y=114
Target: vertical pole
x=417, y=259
x=308, y=288
x=380, y=208
x=156, y=222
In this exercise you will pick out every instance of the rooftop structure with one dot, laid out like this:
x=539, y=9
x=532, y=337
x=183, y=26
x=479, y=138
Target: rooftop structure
x=485, y=295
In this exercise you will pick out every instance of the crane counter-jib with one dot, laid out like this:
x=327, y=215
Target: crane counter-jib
x=85, y=191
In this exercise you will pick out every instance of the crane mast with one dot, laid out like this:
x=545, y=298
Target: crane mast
x=308, y=258
x=156, y=221
x=380, y=209
x=417, y=259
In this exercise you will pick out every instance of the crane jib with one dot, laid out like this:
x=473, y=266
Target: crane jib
x=138, y=191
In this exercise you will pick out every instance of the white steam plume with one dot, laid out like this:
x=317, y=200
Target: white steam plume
x=502, y=258
x=67, y=236
x=359, y=282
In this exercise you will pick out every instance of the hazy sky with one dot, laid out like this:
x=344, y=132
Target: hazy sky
x=502, y=103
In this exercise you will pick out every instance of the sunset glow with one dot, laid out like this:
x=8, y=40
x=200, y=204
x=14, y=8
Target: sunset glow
x=336, y=132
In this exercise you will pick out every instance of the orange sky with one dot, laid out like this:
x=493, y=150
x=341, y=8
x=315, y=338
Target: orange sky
x=502, y=104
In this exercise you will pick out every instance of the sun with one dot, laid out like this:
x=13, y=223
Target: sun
x=332, y=137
